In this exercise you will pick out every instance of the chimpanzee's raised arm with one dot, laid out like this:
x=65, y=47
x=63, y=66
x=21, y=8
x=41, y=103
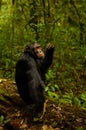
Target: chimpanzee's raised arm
x=48, y=57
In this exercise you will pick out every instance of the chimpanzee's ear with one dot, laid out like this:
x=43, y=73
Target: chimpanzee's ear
x=29, y=49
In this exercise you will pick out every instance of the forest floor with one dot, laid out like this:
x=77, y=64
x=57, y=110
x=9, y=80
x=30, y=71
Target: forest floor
x=15, y=115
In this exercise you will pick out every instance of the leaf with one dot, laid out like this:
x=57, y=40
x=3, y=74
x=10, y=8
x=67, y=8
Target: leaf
x=76, y=101
x=83, y=96
x=35, y=119
x=65, y=101
x=84, y=105
x=56, y=86
x=53, y=95
x=46, y=89
x=1, y=118
x=6, y=121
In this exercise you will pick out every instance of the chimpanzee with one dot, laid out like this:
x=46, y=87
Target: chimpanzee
x=30, y=73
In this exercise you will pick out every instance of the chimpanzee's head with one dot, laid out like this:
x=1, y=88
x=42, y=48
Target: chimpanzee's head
x=35, y=50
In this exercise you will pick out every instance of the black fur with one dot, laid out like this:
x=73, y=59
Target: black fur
x=30, y=75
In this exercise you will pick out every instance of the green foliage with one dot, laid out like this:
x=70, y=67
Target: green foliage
x=80, y=128
x=51, y=86
x=69, y=98
x=62, y=23
x=54, y=92
x=83, y=97
x=3, y=121
x=1, y=94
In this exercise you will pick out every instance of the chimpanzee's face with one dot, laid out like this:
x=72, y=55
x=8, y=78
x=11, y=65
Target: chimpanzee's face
x=38, y=51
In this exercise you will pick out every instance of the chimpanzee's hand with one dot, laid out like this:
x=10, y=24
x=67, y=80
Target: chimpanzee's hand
x=50, y=46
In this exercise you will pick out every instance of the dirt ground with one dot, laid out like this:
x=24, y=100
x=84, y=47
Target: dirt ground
x=16, y=115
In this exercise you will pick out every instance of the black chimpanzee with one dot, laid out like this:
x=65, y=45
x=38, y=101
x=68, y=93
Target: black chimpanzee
x=30, y=73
